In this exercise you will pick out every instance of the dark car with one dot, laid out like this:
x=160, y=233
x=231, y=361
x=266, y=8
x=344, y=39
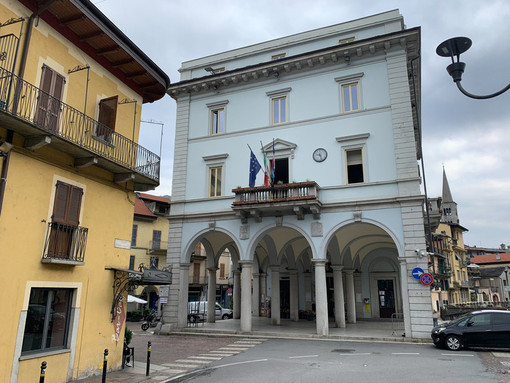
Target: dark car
x=486, y=328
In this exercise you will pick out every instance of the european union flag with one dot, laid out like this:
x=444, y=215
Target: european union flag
x=254, y=168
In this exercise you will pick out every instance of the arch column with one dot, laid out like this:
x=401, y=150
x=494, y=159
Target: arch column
x=350, y=295
x=275, y=295
x=405, y=296
x=182, y=309
x=246, y=295
x=321, y=297
x=211, y=294
x=294, y=296
x=263, y=291
x=237, y=295
x=308, y=290
x=339, y=296
x=256, y=295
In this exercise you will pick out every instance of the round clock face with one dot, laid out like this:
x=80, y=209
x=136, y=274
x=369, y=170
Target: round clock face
x=320, y=154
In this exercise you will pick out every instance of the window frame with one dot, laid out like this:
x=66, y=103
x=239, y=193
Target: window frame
x=134, y=234
x=349, y=81
x=214, y=108
x=279, y=95
x=351, y=143
x=217, y=193
x=154, y=240
x=215, y=162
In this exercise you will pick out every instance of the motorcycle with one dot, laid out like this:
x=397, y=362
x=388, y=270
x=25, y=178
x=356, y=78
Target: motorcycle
x=150, y=321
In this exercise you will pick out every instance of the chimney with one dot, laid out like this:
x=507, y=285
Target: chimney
x=498, y=257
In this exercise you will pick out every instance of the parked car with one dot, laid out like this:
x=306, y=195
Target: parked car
x=197, y=311
x=486, y=328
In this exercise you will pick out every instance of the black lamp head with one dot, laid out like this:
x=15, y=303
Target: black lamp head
x=454, y=47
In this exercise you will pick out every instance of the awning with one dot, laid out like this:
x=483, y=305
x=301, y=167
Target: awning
x=133, y=299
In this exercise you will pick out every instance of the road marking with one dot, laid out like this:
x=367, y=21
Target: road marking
x=204, y=357
x=175, y=371
x=235, y=364
x=193, y=361
x=405, y=353
x=180, y=365
x=506, y=364
x=303, y=356
x=233, y=349
x=360, y=353
x=217, y=354
x=457, y=354
x=229, y=351
x=243, y=345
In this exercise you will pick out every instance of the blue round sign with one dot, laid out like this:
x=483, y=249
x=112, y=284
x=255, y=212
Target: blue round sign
x=418, y=272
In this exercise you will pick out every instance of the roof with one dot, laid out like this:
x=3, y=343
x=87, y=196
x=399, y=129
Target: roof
x=154, y=198
x=142, y=210
x=491, y=272
x=89, y=29
x=491, y=258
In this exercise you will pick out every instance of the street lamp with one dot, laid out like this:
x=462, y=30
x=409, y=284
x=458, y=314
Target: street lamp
x=454, y=47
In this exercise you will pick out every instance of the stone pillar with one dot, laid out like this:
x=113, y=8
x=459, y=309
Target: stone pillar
x=339, y=296
x=294, y=296
x=321, y=297
x=263, y=291
x=237, y=295
x=350, y=295
x=256, y=295
x=246, y=295
x=308, y=290
x=211, y=295
x=182, y=309
x=275, y=295
x=404, y=275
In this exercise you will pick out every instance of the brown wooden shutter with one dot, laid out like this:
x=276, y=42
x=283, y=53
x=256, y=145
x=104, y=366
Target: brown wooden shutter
x=60, y=204
x=66, y=209
x=73, y=217
x=108, y=112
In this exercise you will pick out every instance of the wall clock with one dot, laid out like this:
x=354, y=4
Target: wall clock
x=320, y=154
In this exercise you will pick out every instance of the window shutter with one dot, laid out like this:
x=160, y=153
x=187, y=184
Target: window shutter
x=60, y=204
x=66, y=209
x=73, y=217
x=108, y=112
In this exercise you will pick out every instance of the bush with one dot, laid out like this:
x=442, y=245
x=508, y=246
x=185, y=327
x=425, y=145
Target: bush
x=128, y=335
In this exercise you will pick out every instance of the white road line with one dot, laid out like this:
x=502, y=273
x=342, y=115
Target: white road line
x=243, y=345
x=217, y=354
x=360, y=353
x=204, y=357
x=405, y=353
x=193, y=361
x=303, y=356
x=181, y=365
x=235, y=364
x=233, y=349
x=248, y=342
x=175, y=371
x=457, y=354
x=228, y=352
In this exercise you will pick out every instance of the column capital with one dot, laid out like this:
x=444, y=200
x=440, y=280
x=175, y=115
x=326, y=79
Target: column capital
x=256, y=275
x=246, y=263
x=292, y=271
x=184, y=265
x=349, y=271
x=337, y=267
x=402, y=260
x=319, y=262
x=237, y=272
x=274, y=267
x=212, y=269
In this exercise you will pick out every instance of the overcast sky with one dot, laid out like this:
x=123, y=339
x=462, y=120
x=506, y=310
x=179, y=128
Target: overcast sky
x=470, y=138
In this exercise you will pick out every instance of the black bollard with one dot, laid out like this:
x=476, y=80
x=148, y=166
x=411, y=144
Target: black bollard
x=105, y=365
x=43, y=372
x=148, y=359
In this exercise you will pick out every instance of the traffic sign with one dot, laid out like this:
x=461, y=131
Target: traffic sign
x=426, y=279
x=418, y=272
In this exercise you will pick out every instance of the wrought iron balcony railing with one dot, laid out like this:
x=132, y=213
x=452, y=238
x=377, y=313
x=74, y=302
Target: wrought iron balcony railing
x=36, y=107
x=65, y=243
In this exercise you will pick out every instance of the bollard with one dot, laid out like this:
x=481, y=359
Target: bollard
x=43, y=372
x=148, y=359
x=105, y=365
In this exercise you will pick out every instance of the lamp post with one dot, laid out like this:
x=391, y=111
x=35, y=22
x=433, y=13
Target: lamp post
x=454, y=47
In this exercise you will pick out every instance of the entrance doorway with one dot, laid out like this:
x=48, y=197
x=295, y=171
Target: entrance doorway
x=386, y=295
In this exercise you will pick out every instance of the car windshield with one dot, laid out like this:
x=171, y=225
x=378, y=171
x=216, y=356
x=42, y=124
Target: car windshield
x=459, y=320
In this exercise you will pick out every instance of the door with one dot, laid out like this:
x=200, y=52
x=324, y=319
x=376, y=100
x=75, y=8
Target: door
x=107, y=117
x=386, y=295
x=49, y=99
x=478, y=329
x=500, y=329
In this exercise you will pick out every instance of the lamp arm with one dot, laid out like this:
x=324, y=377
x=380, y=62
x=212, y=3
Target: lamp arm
x=481, y=97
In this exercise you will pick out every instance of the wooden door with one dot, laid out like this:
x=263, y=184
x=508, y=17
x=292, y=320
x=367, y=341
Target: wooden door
x=49, y=99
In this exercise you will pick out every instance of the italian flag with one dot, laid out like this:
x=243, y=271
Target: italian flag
x=267, y=166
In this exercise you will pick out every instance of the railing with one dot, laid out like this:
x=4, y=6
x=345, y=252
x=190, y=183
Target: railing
x=65, y=242
x=198, y=280
x=466, y=283
x=158, y=245
x=31, y=104
x=278, y=193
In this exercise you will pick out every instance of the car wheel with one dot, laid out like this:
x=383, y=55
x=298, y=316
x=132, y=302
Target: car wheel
x=145, y=326
x=225, y=316
x=453, y=343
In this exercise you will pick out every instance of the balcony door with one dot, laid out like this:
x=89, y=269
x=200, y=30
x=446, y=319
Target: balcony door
x=49, y=100
x=107, y=117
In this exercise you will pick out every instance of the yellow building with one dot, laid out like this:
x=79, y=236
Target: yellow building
x=149, y=242
x=71, y=90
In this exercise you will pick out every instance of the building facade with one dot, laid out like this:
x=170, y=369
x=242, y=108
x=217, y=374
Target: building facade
x=335, y=113
x=71, y=92
x=493, y=282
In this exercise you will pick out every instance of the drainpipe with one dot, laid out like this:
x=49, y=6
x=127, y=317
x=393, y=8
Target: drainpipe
x=5, y=168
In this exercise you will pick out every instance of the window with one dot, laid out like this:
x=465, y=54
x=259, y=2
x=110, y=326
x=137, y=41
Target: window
x=222, y=271
x=48, y=102
x=278, y=56
x=156, y=239
x=354, y=166
x=350, y=92
x=279, y=110
x=196, y=272
x=218, y=70
x=131, y=262
x=281, y=170
x=215, y=181
x=64, y=221
x=345, y=41
x=107, y=117
x=47, y=323
x=350, y=97
x=217, y=121
x=133, y=235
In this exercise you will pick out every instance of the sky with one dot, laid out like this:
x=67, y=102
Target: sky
x=469, y=138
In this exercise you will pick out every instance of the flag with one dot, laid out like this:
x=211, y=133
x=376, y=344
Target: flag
x=267, y=169
x=254, y=168
x=273, y=163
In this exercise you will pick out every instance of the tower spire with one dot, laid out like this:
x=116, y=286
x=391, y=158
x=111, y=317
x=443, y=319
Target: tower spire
x=449, y=213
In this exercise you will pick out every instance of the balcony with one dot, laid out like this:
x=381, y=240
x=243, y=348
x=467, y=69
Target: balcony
x=467, y=284
x=287, y=199
x=45, y=120
x=443, y=272
x=65, y=244
x=197, y=280
x=157, y=247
